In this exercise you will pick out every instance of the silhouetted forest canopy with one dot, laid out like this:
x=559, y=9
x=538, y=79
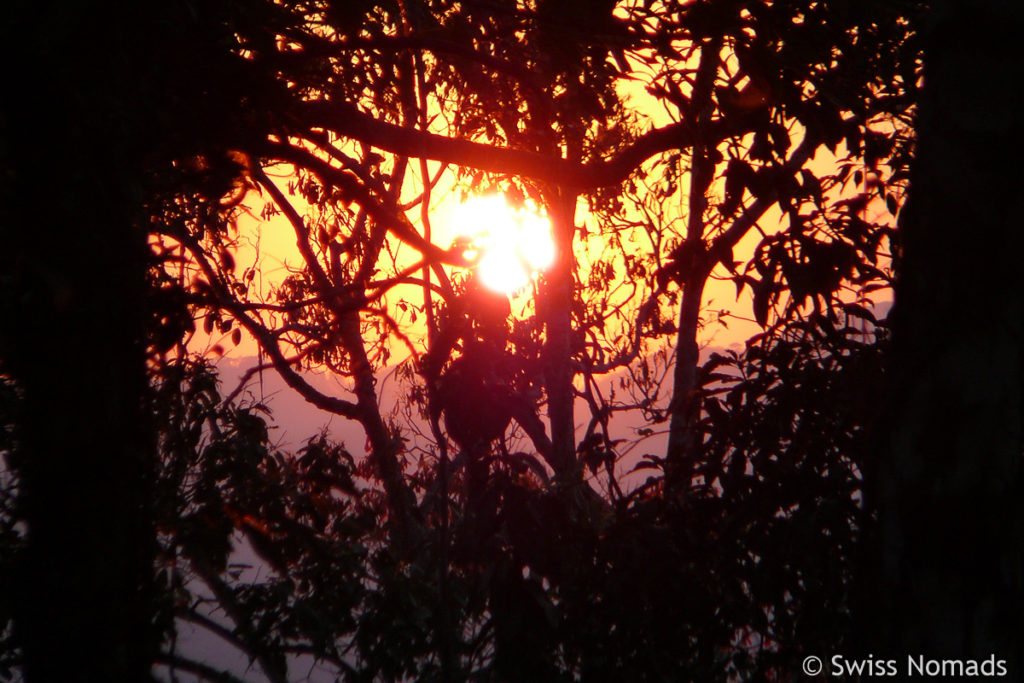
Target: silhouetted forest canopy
x=570, y=481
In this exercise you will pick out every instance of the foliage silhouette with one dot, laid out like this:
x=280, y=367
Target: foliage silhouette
x=747, y=575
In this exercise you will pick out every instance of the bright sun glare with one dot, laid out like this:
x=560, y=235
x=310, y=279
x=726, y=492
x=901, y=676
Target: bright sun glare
x=513, y=244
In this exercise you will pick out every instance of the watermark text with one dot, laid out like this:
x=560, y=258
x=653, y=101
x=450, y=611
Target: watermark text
x=920, y=666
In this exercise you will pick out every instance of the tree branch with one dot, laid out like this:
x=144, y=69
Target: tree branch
x=301, y=231
x=269, y=343
x=347, y=120
x=393, y=221
x=525, y=416
x=226, y=599
x=721, y=247
x=203, y=671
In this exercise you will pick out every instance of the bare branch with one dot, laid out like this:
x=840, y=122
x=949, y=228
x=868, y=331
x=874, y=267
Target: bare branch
x=301, y=232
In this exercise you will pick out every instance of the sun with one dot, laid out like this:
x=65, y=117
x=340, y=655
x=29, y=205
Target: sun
x=512, y=245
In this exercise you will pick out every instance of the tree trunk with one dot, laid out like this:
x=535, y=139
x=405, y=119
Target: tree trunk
x=684, y=433
x=74, y=319
x=694, y=262
x=557, y=302
x=948, y=581
x=87, y=449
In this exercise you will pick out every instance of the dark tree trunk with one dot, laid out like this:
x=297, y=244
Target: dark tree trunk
x=73, y=339
x=100, y=98
x=558, y=370
x=86, y=474
x=87, y=449
x=949, y=481
x=684, y=432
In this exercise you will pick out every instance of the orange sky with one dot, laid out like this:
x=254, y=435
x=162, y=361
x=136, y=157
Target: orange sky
x=277, y=250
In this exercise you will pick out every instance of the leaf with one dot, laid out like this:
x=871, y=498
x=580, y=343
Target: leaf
x=227, y=260
x=891, y=204
x=761, y=149
x=762, y=293
x=534, y=464
x=811, y=185
x=738, y=174
x=780, y=139
x=858, y=311
x=646, y=465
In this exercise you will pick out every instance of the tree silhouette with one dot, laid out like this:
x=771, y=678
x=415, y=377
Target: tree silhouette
x=949, y=476
x=106, y=99
x=492, y=533
x=571, y=138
